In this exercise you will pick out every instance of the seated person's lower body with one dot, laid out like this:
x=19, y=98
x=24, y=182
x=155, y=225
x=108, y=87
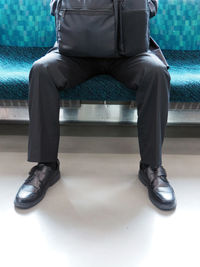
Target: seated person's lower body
x=144, y=73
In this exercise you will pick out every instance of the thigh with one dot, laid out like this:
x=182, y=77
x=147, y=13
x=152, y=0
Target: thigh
x=132, y=70
x=67, y=71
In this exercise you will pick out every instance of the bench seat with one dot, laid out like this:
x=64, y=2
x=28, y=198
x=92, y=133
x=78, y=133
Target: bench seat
x=15, y=64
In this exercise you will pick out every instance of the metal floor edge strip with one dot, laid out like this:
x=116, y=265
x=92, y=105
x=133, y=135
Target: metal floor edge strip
x=100, y=113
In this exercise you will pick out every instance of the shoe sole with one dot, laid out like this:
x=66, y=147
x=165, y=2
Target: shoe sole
x=33, y=203
x=159, y=205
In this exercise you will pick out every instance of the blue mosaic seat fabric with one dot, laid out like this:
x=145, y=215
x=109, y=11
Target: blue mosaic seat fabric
x=31, y=32
x=15, y=63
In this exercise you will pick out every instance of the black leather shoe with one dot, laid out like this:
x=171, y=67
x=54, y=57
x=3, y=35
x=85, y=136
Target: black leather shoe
x=160, y=191
x=35, y=186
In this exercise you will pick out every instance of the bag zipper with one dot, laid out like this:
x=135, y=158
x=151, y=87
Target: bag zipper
x=122, y=2
x=86, y=11
x=120, y=27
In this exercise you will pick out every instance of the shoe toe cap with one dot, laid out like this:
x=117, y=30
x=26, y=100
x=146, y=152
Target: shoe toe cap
x=165, y=194
x=25, y=194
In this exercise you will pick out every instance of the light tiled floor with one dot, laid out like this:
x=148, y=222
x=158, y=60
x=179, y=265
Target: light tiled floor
x=98, y=214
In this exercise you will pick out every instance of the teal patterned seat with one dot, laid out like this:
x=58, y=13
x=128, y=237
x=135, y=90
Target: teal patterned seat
x=31, y=33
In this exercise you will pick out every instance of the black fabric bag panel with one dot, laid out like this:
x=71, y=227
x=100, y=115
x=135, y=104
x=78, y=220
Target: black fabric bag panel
x=134, y=27
x=102, y=28
x=87, y=32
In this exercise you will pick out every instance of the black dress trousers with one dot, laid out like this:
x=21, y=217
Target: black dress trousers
x=53, y=72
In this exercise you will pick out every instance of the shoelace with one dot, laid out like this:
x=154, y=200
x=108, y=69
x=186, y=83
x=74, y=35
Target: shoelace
x=31, y=172
x=161, y=173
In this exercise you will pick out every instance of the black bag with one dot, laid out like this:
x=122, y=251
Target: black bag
x=101, y=28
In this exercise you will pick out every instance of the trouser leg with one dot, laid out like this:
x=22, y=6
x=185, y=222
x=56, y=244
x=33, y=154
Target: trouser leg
x=152, y=105
x=44, y=108
x=150, y=78
x=48, y=75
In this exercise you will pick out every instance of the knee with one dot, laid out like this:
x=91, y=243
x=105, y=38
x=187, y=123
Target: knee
x=157, y=78
x=39, y=66
x=46, y=69
x=157, y=70
x=160, y=70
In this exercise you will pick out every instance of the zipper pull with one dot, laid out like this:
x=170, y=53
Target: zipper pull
x=122, y=3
